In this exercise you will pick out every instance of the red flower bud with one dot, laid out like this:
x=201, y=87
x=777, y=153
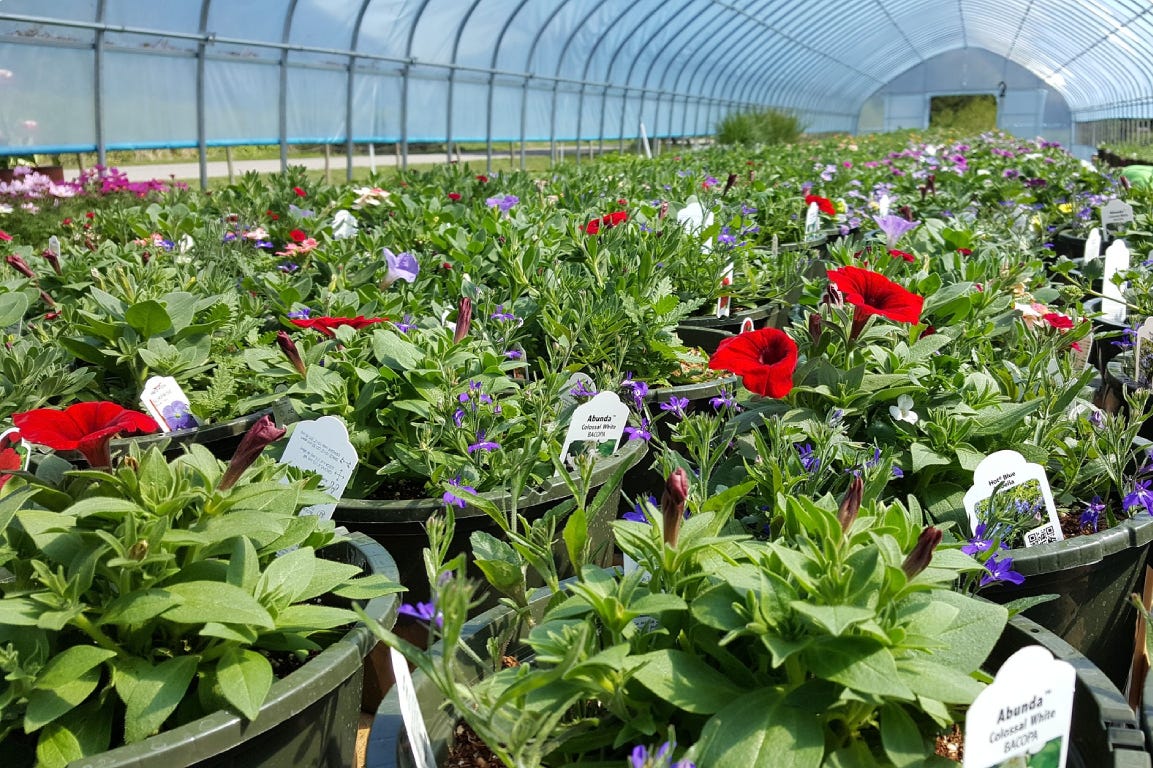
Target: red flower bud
x=259, y=435
x=729, y=182
x=51, y=257
x=815, y=324
x=833, y=297
x=463, y=319
x=288, y=347
x=922, y=554
x=20, y=266
x=851, y=504
x=673, y=504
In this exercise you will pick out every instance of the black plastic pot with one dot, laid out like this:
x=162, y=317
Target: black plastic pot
x=220, y=438
x=310, y=717
x=1104, y=734
x=400, y=525
x=1114, y=384
x=703, y=337
x=1092, y=577
x=771, y=314
x=1105, y=333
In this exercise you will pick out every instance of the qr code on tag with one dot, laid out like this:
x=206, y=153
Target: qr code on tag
x=1042, y=535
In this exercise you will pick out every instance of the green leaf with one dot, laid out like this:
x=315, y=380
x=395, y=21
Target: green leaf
x=244, y=565
x=833, y=618
x=924, y=456
x=12, y=308
x=87, y=732
x=368, y=587
x=237, y=632
x=244, y=677
x=306, y=618
x=138, y=607
x=206, y=601
x=999, y=419
x=19, y=612
x=937, y=681
x=46, y=704
x=859, y=663
x=82, y=350
x=759, y=730
x=106, y=507
x=151, y=693
x=972, y=635
x=394, y=351
x=149, y=318
x=498, y=562
x=576, y=536
x=685, y=681
x=899, y=735
x=286, y=577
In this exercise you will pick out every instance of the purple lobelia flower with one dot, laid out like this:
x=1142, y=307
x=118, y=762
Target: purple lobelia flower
x=676, y=406
x=426, y=612
x=451, y=498
x=1001, y=570
x=1092, y=514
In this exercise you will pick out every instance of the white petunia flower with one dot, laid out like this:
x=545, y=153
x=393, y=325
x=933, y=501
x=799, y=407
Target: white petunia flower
x=343, y=225
x=903, y=410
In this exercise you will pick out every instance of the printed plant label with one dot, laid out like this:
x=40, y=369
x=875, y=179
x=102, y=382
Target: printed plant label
x=166, y=402
x=322, y=446
x=418, y=739
x=812, y=222
x=724, y=303
x=1143, y=353
x=883, y=206
x=1007, y=488
x=747, y=325
x=600, y=420
x=1116, y=260
x=1022, y=719
x=1116, y=212
x=694, y=220
x=1093, y=245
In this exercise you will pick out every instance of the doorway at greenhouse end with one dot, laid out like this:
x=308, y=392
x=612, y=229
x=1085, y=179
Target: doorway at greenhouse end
x=967, y=113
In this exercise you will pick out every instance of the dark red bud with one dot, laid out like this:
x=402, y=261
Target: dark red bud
x=51, y=257
x=673, y=504
x=463, y=319
x=815, y=324
x=20, y=266
x=259, y=435
x=729, y=184
x=288, y=347
x=851, y=504
x=922, y=554
x=833, y=297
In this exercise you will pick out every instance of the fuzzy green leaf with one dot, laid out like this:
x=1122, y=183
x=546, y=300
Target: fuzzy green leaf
x=151, y=693
x=759, y=730
x=244, y=678
x=206, y=601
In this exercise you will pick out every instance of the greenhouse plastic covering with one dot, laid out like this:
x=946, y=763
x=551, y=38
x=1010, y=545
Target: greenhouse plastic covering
x=79, y=75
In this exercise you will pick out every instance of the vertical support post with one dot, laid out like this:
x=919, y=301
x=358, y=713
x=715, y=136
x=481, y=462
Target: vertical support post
x=201, y=112
x=289, y=12
x=349, y=147
x=402, y=148
x=327, y=163
x=448, y=115
x=98, y=86
x=228, y=160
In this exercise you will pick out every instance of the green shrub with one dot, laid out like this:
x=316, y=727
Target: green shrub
x=767, y=126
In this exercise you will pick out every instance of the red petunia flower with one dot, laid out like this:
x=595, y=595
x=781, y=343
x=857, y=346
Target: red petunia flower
x=1058, y=321
x=609, y=220
x=874, y=294
x=824, y=204
x=299, y=192
x=965, y=251
x=84, y=427
x=765, y=360
x=90, y=215
x=454, y=196
x=902, y=255
x=482, y=179
x=271, y=215
x=298, y=235
x=10, y=458
x=326, y=324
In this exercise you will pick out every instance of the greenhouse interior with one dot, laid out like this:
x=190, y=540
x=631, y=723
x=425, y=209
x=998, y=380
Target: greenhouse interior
x=604, y=383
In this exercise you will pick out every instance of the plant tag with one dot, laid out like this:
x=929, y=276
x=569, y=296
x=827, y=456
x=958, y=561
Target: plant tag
x=1081, y=356
x=1116, y=212
x=54, y=244
x=166, y=402
x=1023, y=718
x=1116, y=260
x=410, y=712
x=883, y=206
x=694, y=219
x=1019, y=491
x=1143, y=352
x=322, y=446
x=600, y=420
x=747, y=325
x=1092, y=245
x=812, y=221
x=578, y=386
x=724, y=303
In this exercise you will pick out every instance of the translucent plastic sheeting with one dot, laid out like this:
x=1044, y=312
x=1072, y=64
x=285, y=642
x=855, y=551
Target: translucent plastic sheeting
x=84, y=74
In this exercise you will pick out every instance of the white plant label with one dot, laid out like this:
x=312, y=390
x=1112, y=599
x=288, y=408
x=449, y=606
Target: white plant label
x=883, y=206
x=410, y=712
x=1025, y=712
x=1116, y=260
x=1143, y=353
x=1081, y=356
x=812, y=221
x=1093, y=245
x=724, y=303
x=1116, y=212
x=644, y=143
x=747, y=325
x=602, y=419
x=54, y=244
x=322, y=446
x=694, y=219
x=166, y=402
x=1018, y=488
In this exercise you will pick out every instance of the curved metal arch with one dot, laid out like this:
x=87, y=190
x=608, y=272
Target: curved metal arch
x=1107, y=61
x=201, y=111
x=492, y=78
x=404, y=84
x=1103, y=91
x=801, y=95
x=452, y=78
x=349, y=116
x=616, y=54
x=585, y=73
x=527, y=68
x=556, y=73
x=289, y=15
